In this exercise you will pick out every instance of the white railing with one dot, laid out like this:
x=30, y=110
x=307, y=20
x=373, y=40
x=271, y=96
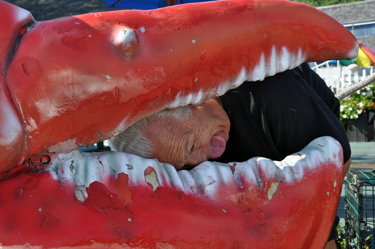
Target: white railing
x=338, y=77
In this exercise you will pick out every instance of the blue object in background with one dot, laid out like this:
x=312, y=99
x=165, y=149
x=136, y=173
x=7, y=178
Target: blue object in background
x=144, y=4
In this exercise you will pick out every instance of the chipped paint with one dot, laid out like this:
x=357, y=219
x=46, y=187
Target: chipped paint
x=153, y=180
x=272, y=190
x=79, y=195
x=63, y=146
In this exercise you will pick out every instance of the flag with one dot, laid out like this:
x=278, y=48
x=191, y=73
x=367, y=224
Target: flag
x=368, y=52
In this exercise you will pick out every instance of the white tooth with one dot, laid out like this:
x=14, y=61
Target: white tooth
x=272, y=64
x=187, y=99
x=240, y=78
x=289, y=174
x=227, y=85
x=284, y=60
x=259, y=71
x=197, y=98
x=298, y=171
x=223, y=88
x=268, y=167
x=300, y=57
x=296, y=59
x=177, y=101
x=247, y=172
x=188, y=182
x=175, y=181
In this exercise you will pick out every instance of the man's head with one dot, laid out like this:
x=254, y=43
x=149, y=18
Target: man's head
x=182, y=137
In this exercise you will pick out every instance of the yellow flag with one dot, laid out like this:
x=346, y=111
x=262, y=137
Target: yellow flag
x=362, y=59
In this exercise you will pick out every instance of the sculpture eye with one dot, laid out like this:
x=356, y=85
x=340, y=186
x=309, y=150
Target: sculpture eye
x=126, y=43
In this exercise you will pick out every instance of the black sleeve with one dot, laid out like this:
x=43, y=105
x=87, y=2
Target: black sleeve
x=301, y=116
x=280, y=116
x=320, y=87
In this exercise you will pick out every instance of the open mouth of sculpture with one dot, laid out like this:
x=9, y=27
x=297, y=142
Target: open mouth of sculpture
x=89, y=77
x=122, y=199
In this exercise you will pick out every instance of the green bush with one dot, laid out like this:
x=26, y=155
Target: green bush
x=356, y=103
x=340, y=241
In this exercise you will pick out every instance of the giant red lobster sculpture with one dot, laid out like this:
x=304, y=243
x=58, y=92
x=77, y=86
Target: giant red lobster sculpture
x=71, y=82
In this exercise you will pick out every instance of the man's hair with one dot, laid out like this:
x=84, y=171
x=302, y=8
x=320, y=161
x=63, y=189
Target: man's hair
x=134, y=140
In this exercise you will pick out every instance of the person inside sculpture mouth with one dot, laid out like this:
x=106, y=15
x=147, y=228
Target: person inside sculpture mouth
x=183, y=137
x=272, y=118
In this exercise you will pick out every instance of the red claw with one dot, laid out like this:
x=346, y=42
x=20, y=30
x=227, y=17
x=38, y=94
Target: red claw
x=77, y=80
x=118, y=200
x=74, y=81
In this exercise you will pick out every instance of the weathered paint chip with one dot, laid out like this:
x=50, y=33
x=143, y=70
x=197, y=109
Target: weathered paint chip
x=79, y=195
x=272, y=190
x=151, y=178
x=122, y=187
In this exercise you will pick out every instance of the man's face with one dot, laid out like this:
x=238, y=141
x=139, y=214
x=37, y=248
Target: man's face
x=194, y=140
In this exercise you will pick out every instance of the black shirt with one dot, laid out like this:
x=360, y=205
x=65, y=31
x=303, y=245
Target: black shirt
x=280, y=116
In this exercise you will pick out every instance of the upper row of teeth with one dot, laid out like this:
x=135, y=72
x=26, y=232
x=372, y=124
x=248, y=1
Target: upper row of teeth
x=278, y=61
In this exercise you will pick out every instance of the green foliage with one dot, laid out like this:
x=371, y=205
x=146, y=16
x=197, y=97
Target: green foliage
x=340, y=241
x=356, y=103
x=318, y=3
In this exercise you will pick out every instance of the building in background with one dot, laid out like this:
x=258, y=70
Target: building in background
x=358, y=17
